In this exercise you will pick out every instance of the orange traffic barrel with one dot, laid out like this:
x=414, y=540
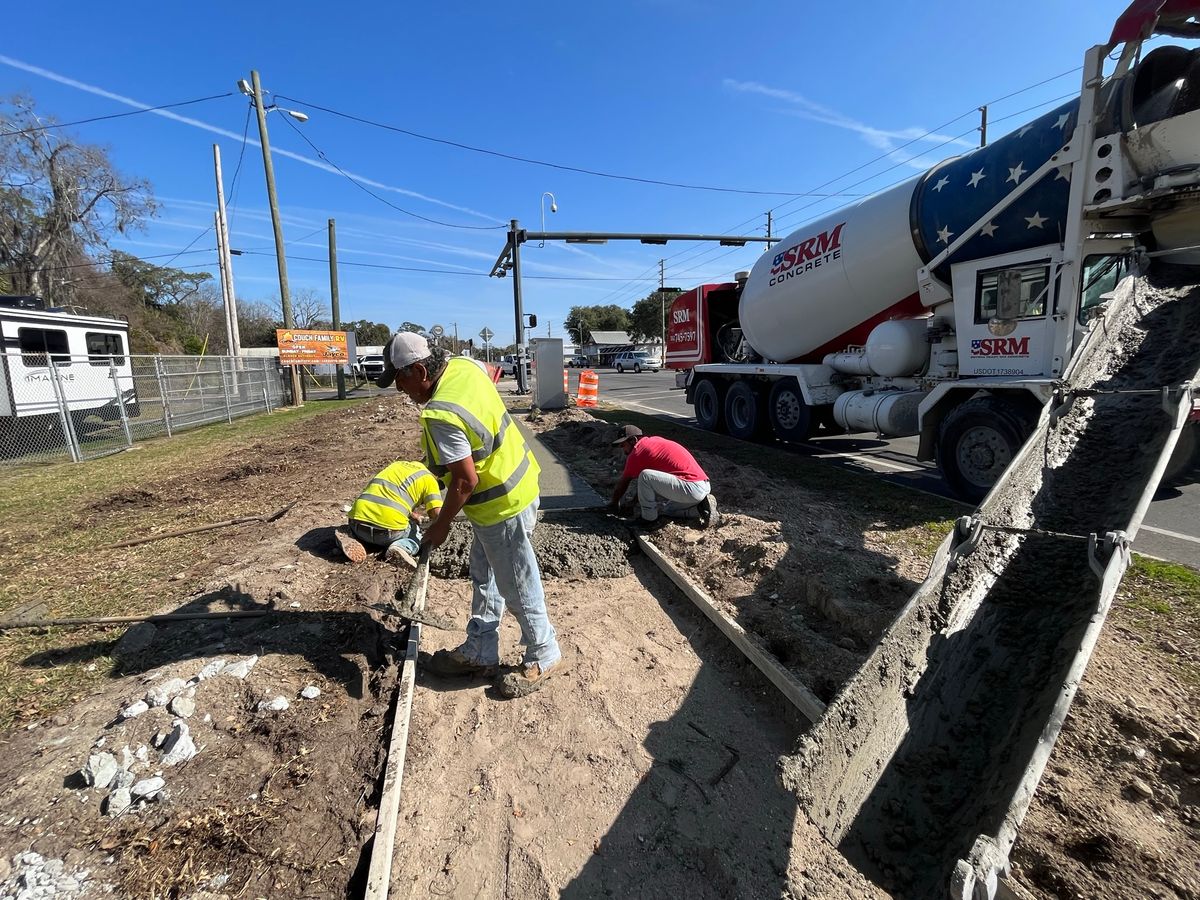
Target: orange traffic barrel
x=589, y=388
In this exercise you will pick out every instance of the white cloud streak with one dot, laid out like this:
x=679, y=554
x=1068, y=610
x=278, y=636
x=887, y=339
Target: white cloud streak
x=224, y=132
x=888, y=140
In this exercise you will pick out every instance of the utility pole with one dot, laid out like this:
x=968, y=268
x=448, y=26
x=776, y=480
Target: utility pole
x=289, y=320
x=457, y=348
x=333, y=302
x=983, y=126
x=225, y=261
x=514, y=239
x=662, y=299
x=769, y=235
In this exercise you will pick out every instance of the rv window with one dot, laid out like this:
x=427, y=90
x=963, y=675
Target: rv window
x=1034, y=282
x=36, y=343
x=103, y=347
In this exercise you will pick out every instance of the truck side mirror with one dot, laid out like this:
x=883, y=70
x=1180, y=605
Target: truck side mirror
x=1008, y=303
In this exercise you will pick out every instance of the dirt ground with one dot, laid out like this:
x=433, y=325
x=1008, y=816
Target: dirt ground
x=647, y=768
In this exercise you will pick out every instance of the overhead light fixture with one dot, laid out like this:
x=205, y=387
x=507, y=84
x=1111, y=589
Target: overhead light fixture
x=244, y=86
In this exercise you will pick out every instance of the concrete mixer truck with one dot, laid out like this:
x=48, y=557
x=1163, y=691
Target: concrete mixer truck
x=949, y=305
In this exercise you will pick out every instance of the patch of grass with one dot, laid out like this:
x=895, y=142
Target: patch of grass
x=1162, y=588
x=50, y=564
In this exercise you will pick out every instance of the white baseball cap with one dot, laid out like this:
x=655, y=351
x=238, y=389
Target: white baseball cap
x=403, y=349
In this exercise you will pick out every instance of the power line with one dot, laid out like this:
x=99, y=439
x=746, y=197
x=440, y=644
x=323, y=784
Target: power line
x=100, y=262
x=231, y=199
x=121, y=115
x=362, y=187
x=539, y=162
x=362, y=265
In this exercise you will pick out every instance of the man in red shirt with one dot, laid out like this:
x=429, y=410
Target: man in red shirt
x=669, y=480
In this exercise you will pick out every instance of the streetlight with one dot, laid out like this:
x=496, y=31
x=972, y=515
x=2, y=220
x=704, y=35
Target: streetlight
x=553, y=209
x=254, y=91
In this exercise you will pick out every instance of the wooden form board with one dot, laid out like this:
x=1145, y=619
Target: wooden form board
x=800, y=697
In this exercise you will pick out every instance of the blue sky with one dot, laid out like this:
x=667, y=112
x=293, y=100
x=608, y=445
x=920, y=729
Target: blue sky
x=748, y=96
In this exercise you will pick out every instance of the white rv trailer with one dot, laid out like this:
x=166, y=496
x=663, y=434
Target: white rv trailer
x=53, y=358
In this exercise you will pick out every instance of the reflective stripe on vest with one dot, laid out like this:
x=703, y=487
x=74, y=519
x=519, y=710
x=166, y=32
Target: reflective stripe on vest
x=465, y=398
x=402, y=503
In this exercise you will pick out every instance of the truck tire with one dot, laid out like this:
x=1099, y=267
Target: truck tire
x=1185, y=457
x=976, y=442
x=745, y=417
x=709, y=405
x=791, y=418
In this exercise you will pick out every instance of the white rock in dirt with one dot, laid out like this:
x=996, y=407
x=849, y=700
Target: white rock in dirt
x=134, y=709
x=241, y=668
x=162, y=694
x=160, y=738
x=142, y=753
x=117, y=802
x=179, y=746
x=312, y=692
x=33, y=876
x=211, y=670
x=100, y=770
x=148, y=787
x=183, y=706
x=294, y=605
x=125, y=759
x=279, y=704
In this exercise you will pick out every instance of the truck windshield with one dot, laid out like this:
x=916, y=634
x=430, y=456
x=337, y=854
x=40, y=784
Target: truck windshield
x=1100, y=276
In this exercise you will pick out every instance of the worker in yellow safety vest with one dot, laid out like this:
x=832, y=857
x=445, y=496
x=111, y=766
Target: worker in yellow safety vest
x=475, y=447
x=386, y=513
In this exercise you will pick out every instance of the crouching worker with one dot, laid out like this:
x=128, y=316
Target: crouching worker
x=385, y=514
x=669, y=481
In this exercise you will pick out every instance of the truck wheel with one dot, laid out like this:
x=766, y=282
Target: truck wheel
x=1186, y=455
x=791, y=418
x=977, y=441
x=706, y=399
x=744, y=414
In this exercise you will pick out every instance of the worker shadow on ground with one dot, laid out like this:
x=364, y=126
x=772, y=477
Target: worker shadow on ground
x=708, y=819
x=326, y=640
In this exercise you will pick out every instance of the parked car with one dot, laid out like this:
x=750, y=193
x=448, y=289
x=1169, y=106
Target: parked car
x=578, y=361
x=637, y=360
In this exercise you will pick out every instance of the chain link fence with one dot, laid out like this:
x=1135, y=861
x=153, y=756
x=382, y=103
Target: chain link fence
x=80, y=407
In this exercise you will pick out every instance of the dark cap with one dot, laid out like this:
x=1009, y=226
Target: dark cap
x=388, y=376
x=627, y=432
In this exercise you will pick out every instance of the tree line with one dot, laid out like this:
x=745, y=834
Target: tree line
x=643, y=321
x=61, y=203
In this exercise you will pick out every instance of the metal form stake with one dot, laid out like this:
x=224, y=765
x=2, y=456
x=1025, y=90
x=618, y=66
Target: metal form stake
x=333, y=302
x=64, y=415
x=162, y=394
x=514, y=237
x=285, y=299
x=112, y=371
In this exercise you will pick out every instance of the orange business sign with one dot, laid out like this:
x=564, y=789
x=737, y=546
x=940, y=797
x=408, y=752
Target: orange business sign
x=299, y=346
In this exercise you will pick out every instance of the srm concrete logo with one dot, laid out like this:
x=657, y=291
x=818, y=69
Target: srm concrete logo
x=807, y=255
x=1000, y=347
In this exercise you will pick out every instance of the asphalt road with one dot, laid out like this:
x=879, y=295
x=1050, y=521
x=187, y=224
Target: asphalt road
x=1171, y=529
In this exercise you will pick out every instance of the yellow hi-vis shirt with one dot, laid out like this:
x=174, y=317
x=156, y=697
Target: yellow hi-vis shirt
x=388, y=501
x=465, y=399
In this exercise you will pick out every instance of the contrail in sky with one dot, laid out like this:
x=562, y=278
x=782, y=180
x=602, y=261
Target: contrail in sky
x=224, y=132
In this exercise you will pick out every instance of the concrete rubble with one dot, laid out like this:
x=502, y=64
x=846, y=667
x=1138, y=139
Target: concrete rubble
x=278, y=704
x=34, y=876
x=134, y=709
x=179, y=746
x=162, y=694
x=312, y=692
x=241, y=668
x=100, y=770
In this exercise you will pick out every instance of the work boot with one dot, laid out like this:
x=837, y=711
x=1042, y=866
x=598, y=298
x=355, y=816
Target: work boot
x=709, y=517
x=649, y=526
x=400, y=557
x=351, y=546
x=452, y=663
x=530, y=678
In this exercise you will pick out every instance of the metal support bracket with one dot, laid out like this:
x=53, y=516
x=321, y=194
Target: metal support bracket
x=1100, y=550
x=967, y=532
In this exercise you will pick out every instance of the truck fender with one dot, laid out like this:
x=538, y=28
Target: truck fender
x=950, y=394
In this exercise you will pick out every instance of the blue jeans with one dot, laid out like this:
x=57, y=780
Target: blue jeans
x=504, y=572
x=408, y=538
